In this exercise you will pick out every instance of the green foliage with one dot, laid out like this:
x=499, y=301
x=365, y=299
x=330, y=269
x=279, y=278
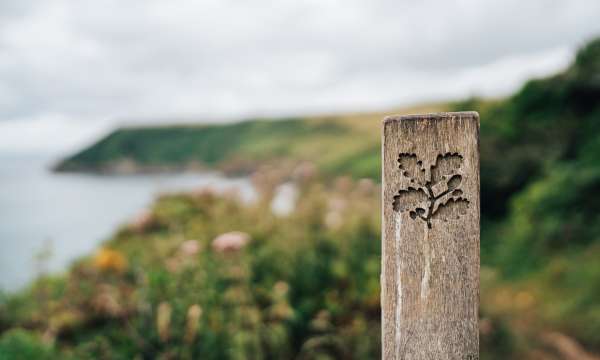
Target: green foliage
x=553, y=215
x=548, y=121
x=547, y=177
x=236, y=146
x=18, y=344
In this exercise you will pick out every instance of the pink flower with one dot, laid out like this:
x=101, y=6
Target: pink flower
x=231, y=241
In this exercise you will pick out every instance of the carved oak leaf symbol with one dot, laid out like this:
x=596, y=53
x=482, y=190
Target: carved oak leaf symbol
x=437, y=197
x=454, y=208
x=412, y=167
x=412, y=200
x=445, y=166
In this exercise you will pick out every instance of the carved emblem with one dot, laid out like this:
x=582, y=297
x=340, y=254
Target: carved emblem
x=432, y=193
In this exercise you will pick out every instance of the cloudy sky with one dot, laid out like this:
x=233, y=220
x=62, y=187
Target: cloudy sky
x=71, y=70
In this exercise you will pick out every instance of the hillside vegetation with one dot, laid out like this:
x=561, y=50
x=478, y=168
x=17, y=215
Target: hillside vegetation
x=306, y=285
x=346, y=144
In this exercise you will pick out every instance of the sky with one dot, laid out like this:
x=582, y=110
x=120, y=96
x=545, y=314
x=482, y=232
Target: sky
x=71, y=71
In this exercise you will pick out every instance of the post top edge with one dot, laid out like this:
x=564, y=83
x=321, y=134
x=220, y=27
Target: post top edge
x=431, y=116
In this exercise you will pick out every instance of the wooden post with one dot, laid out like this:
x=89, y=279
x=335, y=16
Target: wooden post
x=430, y=260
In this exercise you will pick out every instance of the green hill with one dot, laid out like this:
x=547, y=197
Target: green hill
x=336, y=144
x=306, y=285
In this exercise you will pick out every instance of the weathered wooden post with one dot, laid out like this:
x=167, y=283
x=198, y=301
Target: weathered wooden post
x=430, y=260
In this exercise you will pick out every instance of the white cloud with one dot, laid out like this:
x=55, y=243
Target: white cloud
x=81, y=66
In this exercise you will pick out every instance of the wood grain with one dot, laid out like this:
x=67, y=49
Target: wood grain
x=430, y=259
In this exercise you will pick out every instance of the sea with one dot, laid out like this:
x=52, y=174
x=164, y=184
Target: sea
x=47, y=220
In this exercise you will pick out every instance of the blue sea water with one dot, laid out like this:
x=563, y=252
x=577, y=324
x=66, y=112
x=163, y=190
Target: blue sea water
x=69, y=215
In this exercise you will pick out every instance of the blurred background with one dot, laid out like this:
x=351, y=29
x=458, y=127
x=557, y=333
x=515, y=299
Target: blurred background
x=202, y=179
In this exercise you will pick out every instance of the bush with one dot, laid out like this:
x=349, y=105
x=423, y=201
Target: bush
x=19, y=344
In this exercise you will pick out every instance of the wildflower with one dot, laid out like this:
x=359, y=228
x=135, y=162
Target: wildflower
x=230, y=242
x=108, y=259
